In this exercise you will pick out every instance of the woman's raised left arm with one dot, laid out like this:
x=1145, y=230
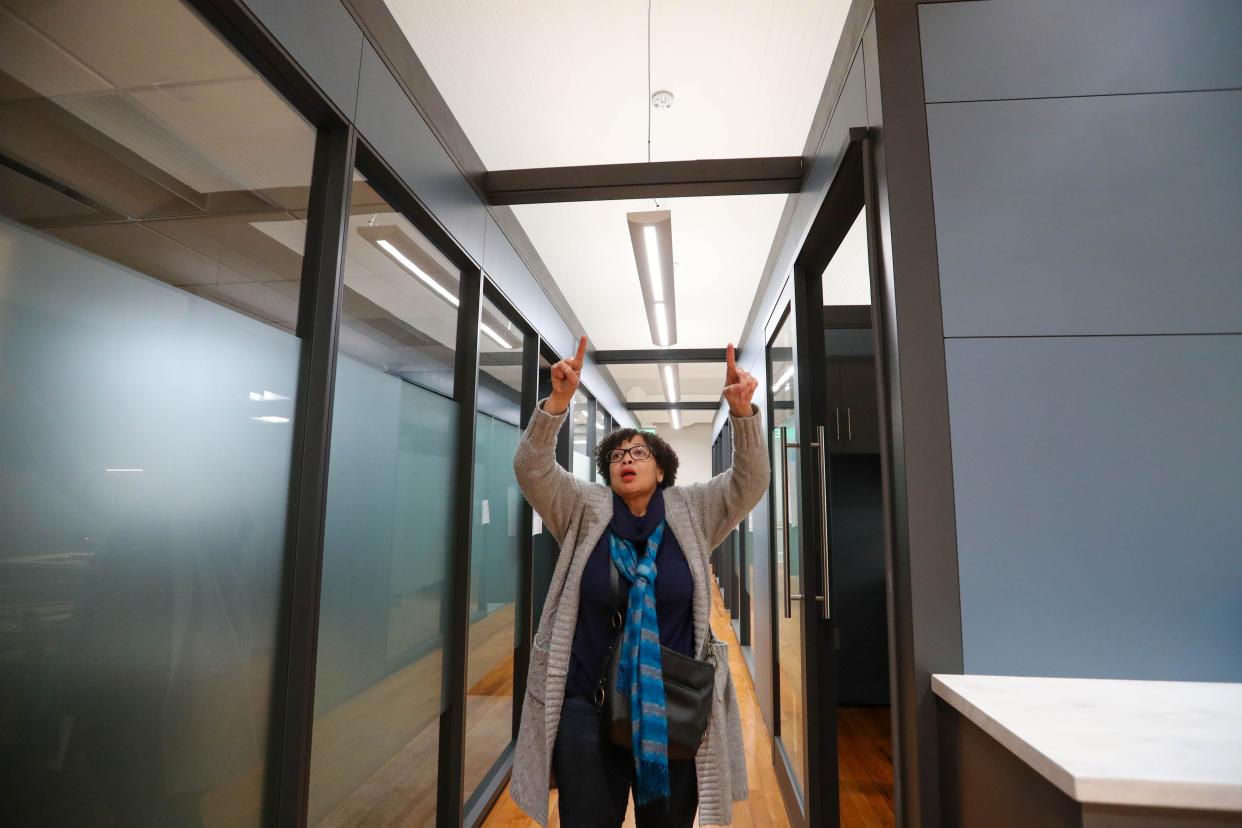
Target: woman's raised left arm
x=728, y=497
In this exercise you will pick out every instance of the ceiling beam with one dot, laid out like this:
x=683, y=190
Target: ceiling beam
x=662, y=179
x=648, y=356
x=677, y=406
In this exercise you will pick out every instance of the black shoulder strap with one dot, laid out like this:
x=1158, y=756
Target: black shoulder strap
x=614, y=584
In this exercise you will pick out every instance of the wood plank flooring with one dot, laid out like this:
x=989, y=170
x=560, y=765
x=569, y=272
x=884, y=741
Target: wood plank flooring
x=864, y=748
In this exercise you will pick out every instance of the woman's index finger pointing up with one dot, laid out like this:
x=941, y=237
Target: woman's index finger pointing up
x=730, y=365
x=581, y=355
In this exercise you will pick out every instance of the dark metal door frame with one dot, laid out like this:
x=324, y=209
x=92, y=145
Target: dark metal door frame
x=853, y=189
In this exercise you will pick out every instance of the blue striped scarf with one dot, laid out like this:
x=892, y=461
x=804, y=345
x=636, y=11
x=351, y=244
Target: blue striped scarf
x=640, y=674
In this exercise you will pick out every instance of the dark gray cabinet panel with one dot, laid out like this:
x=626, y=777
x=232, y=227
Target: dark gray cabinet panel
x=322, y=37
x=1054, y=48
x=860, y=420
x=1097, y=497
x=853, y=415
x=389, y=121
x=1110, y=215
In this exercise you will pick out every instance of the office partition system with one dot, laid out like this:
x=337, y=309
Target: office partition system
x=265, y=558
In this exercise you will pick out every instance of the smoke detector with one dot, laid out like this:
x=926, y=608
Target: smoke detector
x=662, y=100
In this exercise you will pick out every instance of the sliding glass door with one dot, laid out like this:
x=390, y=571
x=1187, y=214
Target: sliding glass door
x=803, y=677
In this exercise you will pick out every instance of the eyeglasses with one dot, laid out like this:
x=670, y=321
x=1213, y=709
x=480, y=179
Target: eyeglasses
x=636, y=452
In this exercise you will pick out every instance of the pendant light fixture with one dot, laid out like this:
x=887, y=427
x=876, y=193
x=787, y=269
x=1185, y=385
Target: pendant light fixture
x=651, y=235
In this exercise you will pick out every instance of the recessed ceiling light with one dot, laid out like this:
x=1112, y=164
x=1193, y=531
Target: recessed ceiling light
x=662, y=100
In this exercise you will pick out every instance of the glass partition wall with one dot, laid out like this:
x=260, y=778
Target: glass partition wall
x=232, y=376
x=151, y=252
x=385, y=583
x=495, y=548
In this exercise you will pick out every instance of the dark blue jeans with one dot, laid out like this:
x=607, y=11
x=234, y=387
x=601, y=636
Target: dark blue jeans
x=593, y=777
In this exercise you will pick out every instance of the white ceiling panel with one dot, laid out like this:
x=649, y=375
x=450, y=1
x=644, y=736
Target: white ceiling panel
x=699, y=382
x=720, y=245
x=559, y=83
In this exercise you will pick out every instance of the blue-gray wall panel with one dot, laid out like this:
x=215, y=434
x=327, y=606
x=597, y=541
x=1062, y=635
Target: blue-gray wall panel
x=1106, y=215
x=1006, y=49
x=389, y=121
x=1098, y=517
x=322, y=37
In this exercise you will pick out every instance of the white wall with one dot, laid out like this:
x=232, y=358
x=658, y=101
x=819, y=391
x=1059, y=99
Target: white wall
x=693, y=445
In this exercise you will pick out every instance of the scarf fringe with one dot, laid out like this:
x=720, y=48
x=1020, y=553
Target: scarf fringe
x=652, y=779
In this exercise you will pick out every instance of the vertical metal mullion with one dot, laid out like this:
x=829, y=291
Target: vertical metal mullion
x=524, y=610
x=449, y=797
x=591, y=435
x=287, y=788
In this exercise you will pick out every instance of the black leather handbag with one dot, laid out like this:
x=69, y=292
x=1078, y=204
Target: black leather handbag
x=688, y=684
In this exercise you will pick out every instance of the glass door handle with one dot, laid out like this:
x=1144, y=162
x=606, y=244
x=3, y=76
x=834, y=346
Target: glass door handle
x=785, y=445
x=825, y=599
x=849, y=424
x=836, y=418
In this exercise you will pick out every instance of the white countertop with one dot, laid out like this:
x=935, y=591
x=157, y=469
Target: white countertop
x=1148, y=743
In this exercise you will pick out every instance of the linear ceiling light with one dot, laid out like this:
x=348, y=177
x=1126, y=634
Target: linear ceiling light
x=669, y=375
x=651, y=234
x=394, y=242
x=500, y=340
x=655, y=273
x=676, y=417
x=404, y=260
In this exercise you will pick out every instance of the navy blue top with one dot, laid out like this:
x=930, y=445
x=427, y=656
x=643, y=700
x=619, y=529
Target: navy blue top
x=674, y=589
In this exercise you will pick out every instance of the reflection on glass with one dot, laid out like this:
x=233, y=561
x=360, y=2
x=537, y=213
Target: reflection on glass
x=494, y=548
x=399, y=308
x=387, y=531
x=581, y=451
x=748, y=571
x=789, y=630
x=147, y=431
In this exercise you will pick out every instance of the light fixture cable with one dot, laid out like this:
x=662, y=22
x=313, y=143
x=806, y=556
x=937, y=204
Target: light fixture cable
x=650, y=106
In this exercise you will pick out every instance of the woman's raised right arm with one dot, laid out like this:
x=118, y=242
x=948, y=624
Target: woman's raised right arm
x=551, y=490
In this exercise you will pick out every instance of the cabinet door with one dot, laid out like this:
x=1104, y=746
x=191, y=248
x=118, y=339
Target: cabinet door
x=860, y=417
x=836, y=408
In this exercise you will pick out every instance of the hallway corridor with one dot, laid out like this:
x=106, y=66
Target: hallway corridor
x=865, y=760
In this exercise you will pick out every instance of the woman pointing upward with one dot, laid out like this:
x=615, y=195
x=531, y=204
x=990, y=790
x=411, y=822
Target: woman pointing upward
x=658, y=537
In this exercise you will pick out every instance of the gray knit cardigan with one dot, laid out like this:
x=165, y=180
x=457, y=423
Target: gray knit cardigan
x=701, y=515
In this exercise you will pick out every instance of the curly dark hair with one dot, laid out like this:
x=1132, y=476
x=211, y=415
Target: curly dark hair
x=661, y=452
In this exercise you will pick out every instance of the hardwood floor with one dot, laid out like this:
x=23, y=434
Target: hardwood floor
x=864, y=748
x=865, y=767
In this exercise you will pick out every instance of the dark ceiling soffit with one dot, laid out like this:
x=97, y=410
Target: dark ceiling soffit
x=663, y=179
x=648, y=356
x=677, y=406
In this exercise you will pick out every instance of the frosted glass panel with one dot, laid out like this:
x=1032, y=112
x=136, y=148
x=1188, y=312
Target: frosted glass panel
x=153, y=194
x=377, y=688
x=495, y=547
x=144, y=468
x=387, y=532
